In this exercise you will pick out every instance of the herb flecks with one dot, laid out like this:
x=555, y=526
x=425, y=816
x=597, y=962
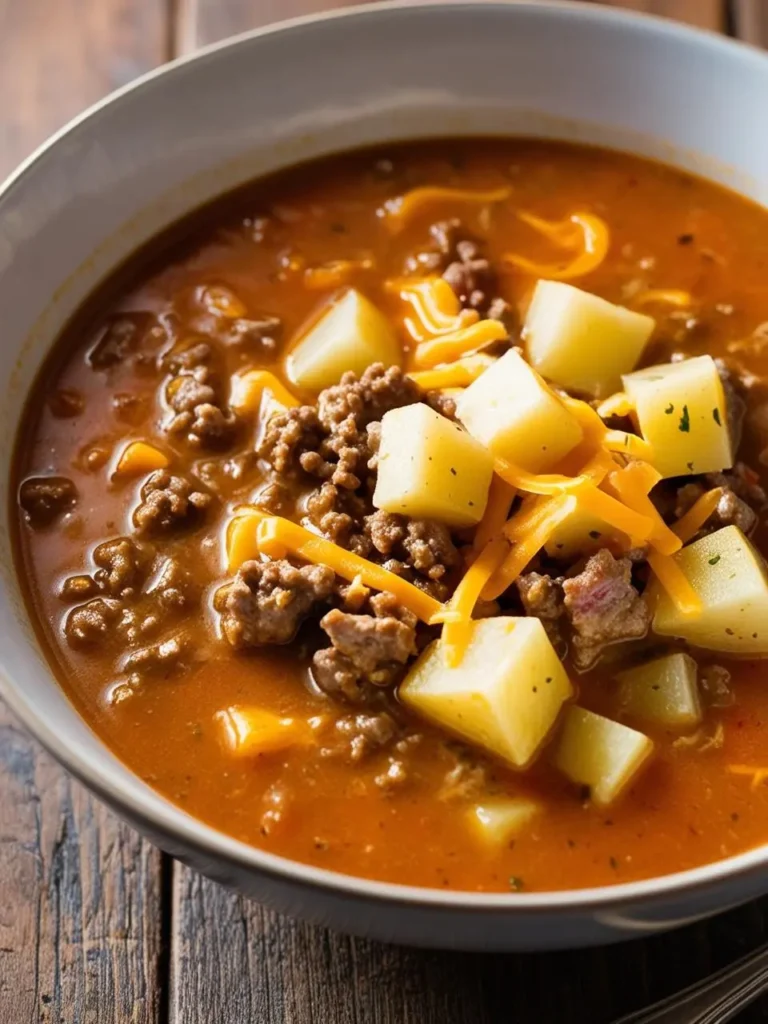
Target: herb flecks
x=685, y=421
x=670, y=409
x=716, y=417
x=516, y=884
x=714, y=559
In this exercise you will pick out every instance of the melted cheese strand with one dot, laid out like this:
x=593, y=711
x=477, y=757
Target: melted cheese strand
x=446, y=348
x=633, y=484
x=460, y=374
x=557, y=510
x=595, y=242
x=674, y=581
x=619, y=404
x=247, y=390
x=688, y=525
x=457, y=615
x=436, y=308
x=663, y=297
x=335, y=273
x=276, y=537
x=398, y=211
x=500, y=498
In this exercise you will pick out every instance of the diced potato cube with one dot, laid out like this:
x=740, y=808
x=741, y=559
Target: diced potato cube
x=731, y=579
x=596, y=752
x=580, y=533
x=497, y=821
x=250, y=731
x=139, y=458
x=580, y=341
x=664, y=691
x=504, y=696
x=350, y=335
x=430, y=468
x=513, y=412
x=680, y=410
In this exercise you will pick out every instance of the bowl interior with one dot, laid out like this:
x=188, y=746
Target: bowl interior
x=180, y=136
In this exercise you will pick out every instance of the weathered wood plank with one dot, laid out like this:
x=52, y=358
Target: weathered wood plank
x=80, y=922
x=207, y=21
x=750, y=21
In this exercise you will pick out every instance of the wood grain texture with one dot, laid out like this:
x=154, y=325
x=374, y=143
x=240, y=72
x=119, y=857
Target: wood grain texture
x=750, y=21
x=80, y=921
x=207, y=21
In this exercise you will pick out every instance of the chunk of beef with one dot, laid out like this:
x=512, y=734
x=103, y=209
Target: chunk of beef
x=91, y=623
x=741, y=493
x=442, y=403
x=716, y=686
x=366, y=733
x=368, y=650
x=267, y=601
x=196, y=412
x=603, y=607
x=121, y=337
x=78, y=588
x=288, y=436
x=263, y=332
x=338, y=514
x=193, y=354
x=422, y=544
x=171, y=586
x=543, y=598
x=122, y=565
x=467, y=779
x=378, y=390
x=158, y=658
x=66, y=403
x=45, y=498
x=736, y=406
x=168, y=502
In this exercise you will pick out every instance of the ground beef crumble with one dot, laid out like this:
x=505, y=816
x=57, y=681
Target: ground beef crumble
x=168, y=502
x=197, y=413
x=603, y=607
x=267, y=601
x=45, y=498
x=739, y=504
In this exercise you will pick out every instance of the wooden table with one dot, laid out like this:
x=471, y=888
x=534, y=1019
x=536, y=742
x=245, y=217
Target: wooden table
x=97, y=926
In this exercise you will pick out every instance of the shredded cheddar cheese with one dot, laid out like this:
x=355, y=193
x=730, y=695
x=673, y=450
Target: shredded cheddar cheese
x=250, y=731
x=435, y=306
x=139, y=458
x=663, y=297
x=249, y=387
x=453, y=375
x=399, y=211
x=457, y=615
x=583, y=230
x=446, y=348
x=632, y=484
x=688, y=525
x=335, y=273
x=674, y=581
x=500, y=498
x=538, y=483
x=619, y=404
x=757, y=774
x=241, y=545
x=276, y=537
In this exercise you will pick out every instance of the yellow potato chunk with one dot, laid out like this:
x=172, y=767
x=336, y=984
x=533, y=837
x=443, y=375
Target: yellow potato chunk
x=247, y=391
x=731, y=579
x=664, y=691
x=350, y=335
x=580, y=533
x=596, y=752
x=429, y=467
x=580, y=341
x=504, y=696
x=250, y=731
x=139, y=458
x=513, y=412
x=497, y=821
x=680, y=410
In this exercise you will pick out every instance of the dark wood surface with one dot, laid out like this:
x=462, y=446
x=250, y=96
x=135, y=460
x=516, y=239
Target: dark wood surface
x=96, y=926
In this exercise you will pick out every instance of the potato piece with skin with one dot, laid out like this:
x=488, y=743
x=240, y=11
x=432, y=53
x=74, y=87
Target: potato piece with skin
x=431, y=468
x=594, y=751
x=498, y=820
x=580, y=341
x=504, y=696
x=350, y=335
x=517, y=416
x=681, y=411
x=250, y=731
x=664, y=691
x=731, y=578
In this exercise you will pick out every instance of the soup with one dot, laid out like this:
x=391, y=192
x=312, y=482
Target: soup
x=392, y=515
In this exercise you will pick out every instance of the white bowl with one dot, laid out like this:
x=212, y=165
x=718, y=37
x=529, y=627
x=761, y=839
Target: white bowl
x=177, y=137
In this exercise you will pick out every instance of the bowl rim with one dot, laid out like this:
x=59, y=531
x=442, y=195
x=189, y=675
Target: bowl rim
x=99, y=769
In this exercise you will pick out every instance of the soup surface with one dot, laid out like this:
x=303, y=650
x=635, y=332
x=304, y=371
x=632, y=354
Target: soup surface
x=232, y=665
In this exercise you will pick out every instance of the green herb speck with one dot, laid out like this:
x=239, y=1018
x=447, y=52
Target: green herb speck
x=516, y=884
x=614, y=863
x=690, y=466
x=685, y=421
x=594, y=534
x=716, y=417
x=453, y=471
x=714, y=559
x=670, y=409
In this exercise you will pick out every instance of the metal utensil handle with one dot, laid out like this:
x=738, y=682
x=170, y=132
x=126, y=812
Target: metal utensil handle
x=714, y=1000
